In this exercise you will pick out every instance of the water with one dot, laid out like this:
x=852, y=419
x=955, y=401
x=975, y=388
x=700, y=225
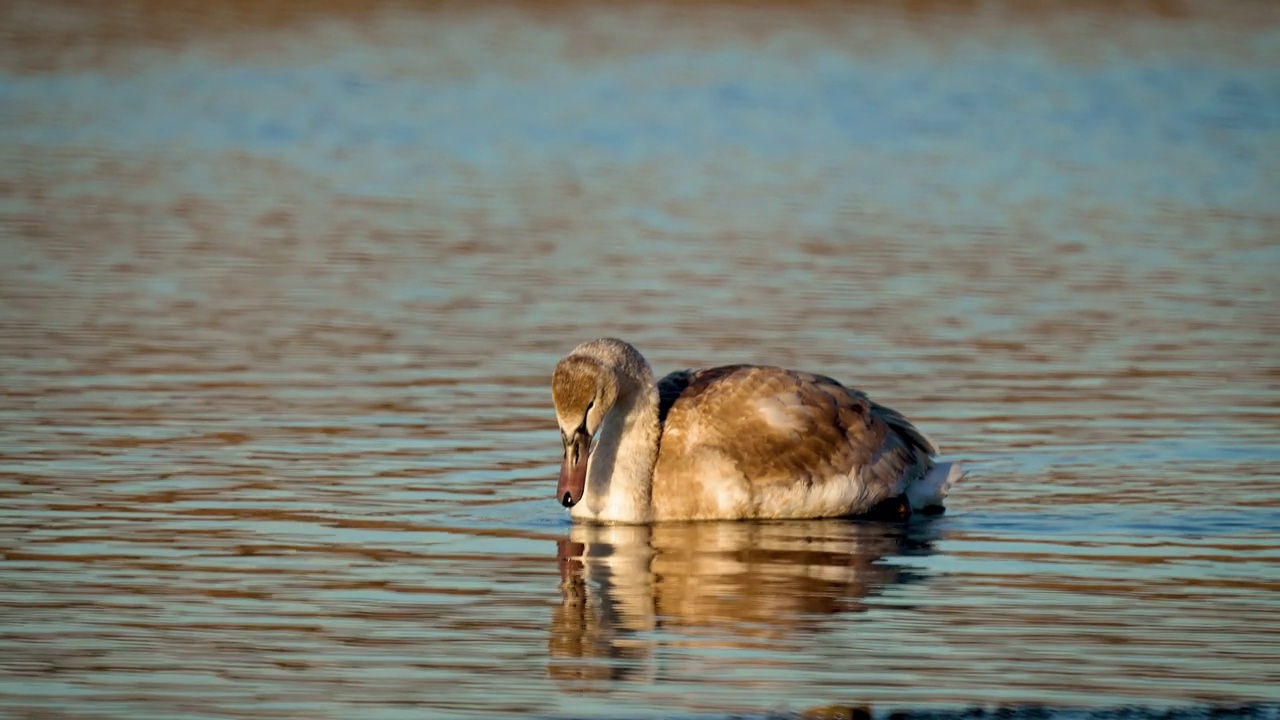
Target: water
x=280, y=301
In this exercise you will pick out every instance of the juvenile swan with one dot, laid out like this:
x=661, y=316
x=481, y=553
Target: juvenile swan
x=729, y=443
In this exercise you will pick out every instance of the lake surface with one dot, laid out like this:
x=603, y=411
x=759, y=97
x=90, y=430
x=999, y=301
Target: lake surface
x=280, y=299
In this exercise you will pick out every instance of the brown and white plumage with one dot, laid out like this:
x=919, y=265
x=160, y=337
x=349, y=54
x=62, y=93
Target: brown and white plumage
x=732, y=442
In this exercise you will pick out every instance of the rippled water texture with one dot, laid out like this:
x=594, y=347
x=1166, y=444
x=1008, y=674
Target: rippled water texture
x=280, y=297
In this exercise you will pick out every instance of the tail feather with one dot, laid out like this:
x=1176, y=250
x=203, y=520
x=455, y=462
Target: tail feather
x=930, y=490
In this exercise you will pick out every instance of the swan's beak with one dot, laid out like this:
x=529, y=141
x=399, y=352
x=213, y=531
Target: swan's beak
x=573, y=469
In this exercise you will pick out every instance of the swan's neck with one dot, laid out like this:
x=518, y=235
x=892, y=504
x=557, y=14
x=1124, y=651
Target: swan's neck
x=620, y=474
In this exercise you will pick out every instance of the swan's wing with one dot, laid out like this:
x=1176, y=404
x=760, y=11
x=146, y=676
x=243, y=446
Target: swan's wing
x=784, y=427
x=670, y=388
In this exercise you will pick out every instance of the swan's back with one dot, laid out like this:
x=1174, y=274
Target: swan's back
x=752, y=441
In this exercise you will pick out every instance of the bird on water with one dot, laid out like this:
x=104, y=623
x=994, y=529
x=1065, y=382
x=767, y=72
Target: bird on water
x=734, y=442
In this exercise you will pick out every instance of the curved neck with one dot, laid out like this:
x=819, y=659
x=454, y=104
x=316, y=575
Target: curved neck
x=620, y=473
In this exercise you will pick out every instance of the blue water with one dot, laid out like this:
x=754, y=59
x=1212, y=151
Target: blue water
x=1012, y=118
x=278, y=311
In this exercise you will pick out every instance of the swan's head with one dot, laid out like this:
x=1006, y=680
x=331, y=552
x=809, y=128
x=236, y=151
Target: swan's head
x=584, y=390
x=586, y=385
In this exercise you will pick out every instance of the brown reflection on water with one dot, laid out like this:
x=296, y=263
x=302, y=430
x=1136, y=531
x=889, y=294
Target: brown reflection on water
x=713, y=586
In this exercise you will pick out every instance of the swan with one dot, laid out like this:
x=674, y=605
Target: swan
x=735, y=442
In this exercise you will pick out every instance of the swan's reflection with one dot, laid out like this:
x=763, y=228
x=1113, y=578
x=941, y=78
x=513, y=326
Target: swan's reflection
x=629, y=590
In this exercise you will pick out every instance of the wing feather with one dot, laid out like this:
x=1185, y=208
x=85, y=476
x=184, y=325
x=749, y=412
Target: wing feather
x=782, y=426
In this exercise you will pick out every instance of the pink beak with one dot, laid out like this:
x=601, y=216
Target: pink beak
x=573, y=469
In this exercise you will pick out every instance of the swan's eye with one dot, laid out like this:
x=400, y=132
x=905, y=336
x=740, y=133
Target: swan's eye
x=583, y=427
